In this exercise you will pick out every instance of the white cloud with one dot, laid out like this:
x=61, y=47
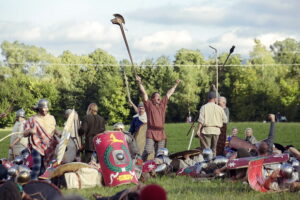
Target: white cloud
x=269, y=38
x=225, y=41
x=163, y=40
x=91, y=31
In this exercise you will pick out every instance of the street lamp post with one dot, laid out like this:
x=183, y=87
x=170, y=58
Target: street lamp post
x=217, y=68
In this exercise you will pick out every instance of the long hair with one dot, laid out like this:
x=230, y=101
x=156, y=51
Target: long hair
x=92, y=109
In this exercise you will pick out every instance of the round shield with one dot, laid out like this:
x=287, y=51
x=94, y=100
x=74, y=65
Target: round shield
x=237, y=143
x=140, y=138
x=42, y=190
x=69, y=167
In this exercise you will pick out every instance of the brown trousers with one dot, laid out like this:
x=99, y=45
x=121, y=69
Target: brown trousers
x=222, y=141
x=209, y=141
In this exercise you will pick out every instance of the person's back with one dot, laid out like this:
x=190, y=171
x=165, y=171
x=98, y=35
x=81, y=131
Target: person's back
x=213, y=118
x=92, y=125
x=95, y=124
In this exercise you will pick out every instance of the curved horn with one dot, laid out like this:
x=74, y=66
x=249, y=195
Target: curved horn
x=119, y=19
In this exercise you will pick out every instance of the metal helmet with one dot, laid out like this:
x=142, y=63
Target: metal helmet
x=220, y=161
x=12, y=171
x=161, y=168
x=207, y=154
x=19, y=160
x=23, y=168
x=286, y=170
x=162, y=152
x=295, y=163
x=23, y=177
x=43, y=103
x=119, y=125
x=20, y=113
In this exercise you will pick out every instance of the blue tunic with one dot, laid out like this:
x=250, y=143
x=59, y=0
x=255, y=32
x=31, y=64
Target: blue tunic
x=135, y=125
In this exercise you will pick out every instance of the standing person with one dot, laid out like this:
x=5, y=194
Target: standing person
x=139, y=119
x=211, y=119
x=18, y=142
x=40, y=129
x=222, y=137
x=156, y=112
x=92, y=125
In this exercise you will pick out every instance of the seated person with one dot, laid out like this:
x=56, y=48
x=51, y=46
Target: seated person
x=139, y=119
x=249, y=136
x=234, y=133
x=133, y=149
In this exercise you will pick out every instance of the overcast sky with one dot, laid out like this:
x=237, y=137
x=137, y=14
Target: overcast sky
x=154, y=27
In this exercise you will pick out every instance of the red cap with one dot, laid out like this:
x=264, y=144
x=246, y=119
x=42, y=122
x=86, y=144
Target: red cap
x=153, y=192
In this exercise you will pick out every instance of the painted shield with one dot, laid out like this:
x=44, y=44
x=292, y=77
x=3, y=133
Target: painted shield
x=149, y=166
x=140, y=138
x=42, y=190
x=244, y=162
x=114, y=158
x=6, y=163
x=255, y=176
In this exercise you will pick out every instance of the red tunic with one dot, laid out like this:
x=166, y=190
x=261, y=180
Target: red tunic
x=156, y=114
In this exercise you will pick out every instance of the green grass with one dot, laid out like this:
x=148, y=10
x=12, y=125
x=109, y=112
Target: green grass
x=181, y=188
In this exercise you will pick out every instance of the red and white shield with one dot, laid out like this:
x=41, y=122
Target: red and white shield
x=113, y=154
x=149, y=166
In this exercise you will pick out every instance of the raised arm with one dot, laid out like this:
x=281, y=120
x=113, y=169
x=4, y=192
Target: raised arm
x=172, y=90
x=134, y=106
x=142, y=89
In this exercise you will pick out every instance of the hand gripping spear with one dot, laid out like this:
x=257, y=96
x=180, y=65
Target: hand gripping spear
x=119, y=20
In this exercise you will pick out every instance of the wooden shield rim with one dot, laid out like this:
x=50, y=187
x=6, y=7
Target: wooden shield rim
x=180, y=154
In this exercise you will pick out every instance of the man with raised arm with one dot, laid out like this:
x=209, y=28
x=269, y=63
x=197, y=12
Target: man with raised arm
x=156, y=113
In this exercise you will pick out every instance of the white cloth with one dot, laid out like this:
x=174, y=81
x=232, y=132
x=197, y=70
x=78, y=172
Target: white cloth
x=83, y=178
x=142, y=118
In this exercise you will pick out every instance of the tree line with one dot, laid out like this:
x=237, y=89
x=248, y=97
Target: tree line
x=268, y=81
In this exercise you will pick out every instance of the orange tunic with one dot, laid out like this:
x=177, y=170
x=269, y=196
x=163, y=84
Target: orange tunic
x=156, y=114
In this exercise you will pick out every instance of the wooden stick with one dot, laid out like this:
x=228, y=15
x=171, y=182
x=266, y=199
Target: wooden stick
x=10, y=135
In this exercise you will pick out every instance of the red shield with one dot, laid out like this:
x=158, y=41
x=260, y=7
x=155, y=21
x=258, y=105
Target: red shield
x=244, y=162
x=29, y=161
x=255, y=176
x=113, y=154
x=149, y=166
x=7, y=164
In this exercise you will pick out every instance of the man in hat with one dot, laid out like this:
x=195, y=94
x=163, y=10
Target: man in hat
x=156, y=112
x=139, y=119
x=40, y=129
x=211, y=119
x=92, y=125
x=17, y=141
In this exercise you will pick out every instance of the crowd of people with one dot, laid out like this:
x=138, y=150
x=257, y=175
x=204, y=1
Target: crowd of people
x=39, y=137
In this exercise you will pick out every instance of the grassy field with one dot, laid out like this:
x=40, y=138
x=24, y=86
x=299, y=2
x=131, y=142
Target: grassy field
x=181, y=188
